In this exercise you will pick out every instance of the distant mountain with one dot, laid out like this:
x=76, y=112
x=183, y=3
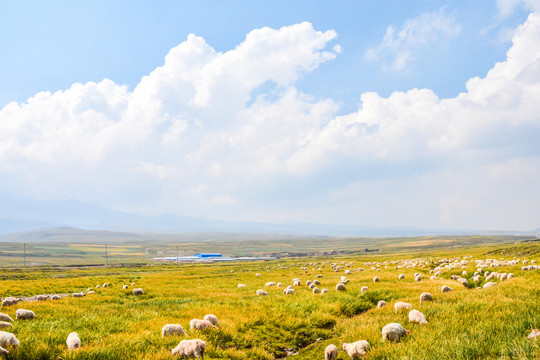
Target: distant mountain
x=21, y=215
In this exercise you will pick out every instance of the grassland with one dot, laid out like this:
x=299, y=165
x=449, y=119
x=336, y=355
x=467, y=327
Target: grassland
x=466, y=323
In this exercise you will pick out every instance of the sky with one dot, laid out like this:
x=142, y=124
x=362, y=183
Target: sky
x=387, y=113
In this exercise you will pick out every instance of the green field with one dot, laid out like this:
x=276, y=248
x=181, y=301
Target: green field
x=466, y=323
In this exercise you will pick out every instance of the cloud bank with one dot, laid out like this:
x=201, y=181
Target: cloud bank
x=228, y=135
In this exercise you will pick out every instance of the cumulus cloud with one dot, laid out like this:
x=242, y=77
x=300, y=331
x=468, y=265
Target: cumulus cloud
x=398, y=47
x=228, y=133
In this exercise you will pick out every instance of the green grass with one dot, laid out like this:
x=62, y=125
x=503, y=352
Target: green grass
x=466, y=323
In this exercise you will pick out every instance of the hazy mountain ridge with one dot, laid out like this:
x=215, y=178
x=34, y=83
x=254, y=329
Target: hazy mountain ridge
x=26, y=216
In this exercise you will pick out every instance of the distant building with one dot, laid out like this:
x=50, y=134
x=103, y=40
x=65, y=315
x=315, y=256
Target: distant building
x=207, y=255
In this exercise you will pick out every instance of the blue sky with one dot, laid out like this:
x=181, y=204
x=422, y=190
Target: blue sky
x=352, y=112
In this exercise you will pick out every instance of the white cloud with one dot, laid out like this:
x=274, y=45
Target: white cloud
x=187, y=140
x=398, y=47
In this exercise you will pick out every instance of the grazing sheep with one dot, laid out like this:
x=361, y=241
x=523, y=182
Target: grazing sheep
x=77, y=295
x=97, y=286
x=331, y=352
x=356, y=349
x=376, y=279
x=270, y=283
x=9, y=301
x=417, y=317
x=344, y=280
x=400, y=305
x=319, y=276
x=5, y=317
x=296, y=283
x=212, y=318
x=8, y=339
x=418, y=277
x=261, y=292
x=104, y=285
x=288, y=291
x=56, y=297
x=401, y=276
x=324, y=291
x=258, y=275
x=534, y=334
x=124, y=287
x=316, y=290
x=393, y=332
x=42, y=297
x=3, y=351
x=5, y=324
x=138, y=291
x=172, y=329
x=488, y=284
x=446, y=288
x=90, y=292
x=197, y=324
x=381, y=304
x=426, y=297
x=340, y=287
x=190, y=348
x=316, y=282
x=23, y=314
x=132, y=284
x=73, y=341
x=241, y=286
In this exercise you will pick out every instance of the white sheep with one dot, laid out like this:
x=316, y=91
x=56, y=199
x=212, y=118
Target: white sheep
x=270, y=283
x=288, y=291
x=8, y=301
x=77, y=295
x=417, y=317
x=393, y=332
x=190, y=348
x=5, y=324
x=356, y=349
x=56, y=297
x=8, y=339
x=5, y=317
x=376, y=279
x=90, y=292
x=426, y=297
x=197, y=324
x=258, y=275
x=534, y=334
x=488, y=284
x=324, y=291
x=418, y=277
x=42, y=297
x=401, y=276
x=381, y=304
x=172, y=329
x=446, y=288
x=138, y=291
x=364, y=289
x=331, y=352
x=23, y=314
x=73, y=341
x=316, y=290
x=124, y=287
x=212, y=318
x=400, y=305
x=261, y=292
x=341, y=287
x=241, y=286
x=104, y=285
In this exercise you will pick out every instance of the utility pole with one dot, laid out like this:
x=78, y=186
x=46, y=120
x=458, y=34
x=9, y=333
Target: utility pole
x=106, y=257
x=24, y=256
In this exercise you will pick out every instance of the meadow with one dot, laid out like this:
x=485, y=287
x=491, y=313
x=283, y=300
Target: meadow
x=466, y=323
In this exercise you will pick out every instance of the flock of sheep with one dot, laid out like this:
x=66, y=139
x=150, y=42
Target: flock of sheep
x=195, y=348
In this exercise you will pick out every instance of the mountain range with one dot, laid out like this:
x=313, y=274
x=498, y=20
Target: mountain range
x=24, y=215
